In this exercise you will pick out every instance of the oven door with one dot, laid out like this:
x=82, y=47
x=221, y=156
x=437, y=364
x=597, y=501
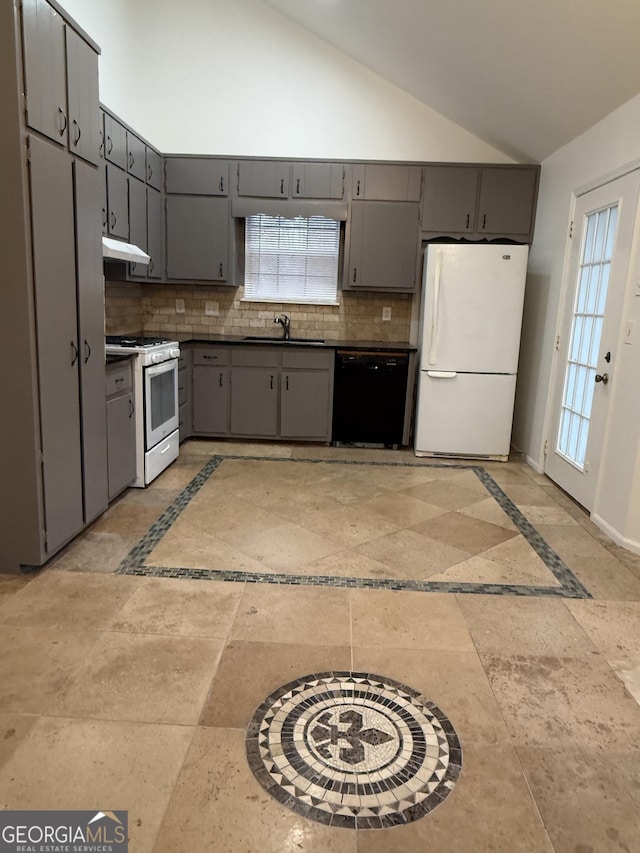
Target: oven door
x=160, y=401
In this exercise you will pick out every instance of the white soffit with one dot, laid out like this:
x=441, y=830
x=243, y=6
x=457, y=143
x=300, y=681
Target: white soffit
x=527, y=76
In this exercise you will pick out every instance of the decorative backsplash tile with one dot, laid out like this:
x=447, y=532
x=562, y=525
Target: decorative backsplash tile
x=152, y=308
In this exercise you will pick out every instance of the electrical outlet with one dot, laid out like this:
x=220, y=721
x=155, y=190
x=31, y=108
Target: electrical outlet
x=211, y=309
x=386, y=313
x=179, y=306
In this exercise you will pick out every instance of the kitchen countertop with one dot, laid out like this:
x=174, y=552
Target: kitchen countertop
x=268, y=340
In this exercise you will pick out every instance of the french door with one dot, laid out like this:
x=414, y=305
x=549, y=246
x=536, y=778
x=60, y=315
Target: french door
x=585, y=369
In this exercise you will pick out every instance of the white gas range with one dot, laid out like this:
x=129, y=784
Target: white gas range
x=155, y=382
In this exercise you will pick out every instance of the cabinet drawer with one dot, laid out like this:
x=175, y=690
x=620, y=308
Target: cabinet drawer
x=254, y=357
x=118, y=379
x=311, y=360
x=211, y=355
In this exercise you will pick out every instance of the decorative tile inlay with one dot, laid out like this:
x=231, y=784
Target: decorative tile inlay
x=352, y=749
x=135, y=563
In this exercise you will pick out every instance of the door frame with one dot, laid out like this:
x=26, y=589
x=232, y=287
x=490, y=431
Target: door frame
x=564, y=307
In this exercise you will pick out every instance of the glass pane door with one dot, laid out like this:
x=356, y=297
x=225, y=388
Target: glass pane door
x=586, y=332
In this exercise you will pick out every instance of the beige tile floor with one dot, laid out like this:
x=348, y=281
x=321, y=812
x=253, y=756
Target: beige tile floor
x=134, y=693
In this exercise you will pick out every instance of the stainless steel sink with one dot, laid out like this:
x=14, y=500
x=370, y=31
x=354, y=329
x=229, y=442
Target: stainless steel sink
x=269, y=340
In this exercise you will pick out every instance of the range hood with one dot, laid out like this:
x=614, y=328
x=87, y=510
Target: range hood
x=116, y=250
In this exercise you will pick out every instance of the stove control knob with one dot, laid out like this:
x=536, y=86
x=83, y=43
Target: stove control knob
x=157, y=357
x=174, y=352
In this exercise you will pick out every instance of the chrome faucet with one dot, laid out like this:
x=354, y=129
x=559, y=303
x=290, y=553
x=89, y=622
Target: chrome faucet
x=285, y=322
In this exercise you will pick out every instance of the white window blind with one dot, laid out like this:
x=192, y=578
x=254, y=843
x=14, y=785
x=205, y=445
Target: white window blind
x=291, y=260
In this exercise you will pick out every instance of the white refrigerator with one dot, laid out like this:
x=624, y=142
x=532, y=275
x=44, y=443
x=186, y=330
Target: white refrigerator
x=472, y=303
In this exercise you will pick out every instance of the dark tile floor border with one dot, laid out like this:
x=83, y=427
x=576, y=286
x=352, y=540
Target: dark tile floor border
x=135, y=561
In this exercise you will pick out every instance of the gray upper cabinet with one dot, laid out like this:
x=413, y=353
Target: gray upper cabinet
x=197, y=176
x=84, y=112
x=449, y=199
x=197, y=238
x=386, y=182
x=507, y=201
x=115, y=142
x=154, y=168
x=45, y=70
x=117, y=203
x=480, y=202
x=138, y=222
x=155, y=234
x=136, y=156
x=317, y=180
x=384, y=246
x=263, y=178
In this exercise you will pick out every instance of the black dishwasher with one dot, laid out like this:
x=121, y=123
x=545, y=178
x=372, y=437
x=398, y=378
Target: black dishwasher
x=369, y=395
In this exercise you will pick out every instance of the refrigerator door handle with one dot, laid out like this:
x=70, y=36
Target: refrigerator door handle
x=442, y=374
x=434, y=316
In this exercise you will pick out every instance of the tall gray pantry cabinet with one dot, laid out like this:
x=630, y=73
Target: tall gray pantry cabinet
x=53, y=462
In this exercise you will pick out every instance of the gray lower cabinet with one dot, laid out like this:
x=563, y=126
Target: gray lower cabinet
x=117, y=202
x=280, y=392
x=197, y=238
x=384, y=246
x=185, y=420
x=254, y=401
x=121, y=436
x=306, y=393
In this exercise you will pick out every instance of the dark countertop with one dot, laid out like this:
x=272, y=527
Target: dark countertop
x=268, y=340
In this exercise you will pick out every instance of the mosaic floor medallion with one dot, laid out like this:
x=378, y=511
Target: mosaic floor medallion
x=353, y=749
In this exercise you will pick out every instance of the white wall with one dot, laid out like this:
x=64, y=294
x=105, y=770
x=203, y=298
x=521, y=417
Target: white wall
x=236, y=77
x=607, y=147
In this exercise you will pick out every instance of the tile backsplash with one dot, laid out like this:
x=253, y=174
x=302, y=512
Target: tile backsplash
x=151, y=308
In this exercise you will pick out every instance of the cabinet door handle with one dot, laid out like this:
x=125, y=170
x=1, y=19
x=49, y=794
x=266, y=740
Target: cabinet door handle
x=468, y=219
x=109, y=144
x=74, y=353
x=113, y=219
x=287, y=383
x=221, y=379
x=101, y=142
x=220, y=271
x=221, y=185
x=77, y=134
x=213, y=357
x=355, y=274
x=62, y=113
x=484, y=221
x=298, y=186
x=151, y=266
x=104, y=217
x=149, y=172
x=357, y=187
x=272, y=381
x=131, y=160
x=119, y=379
x=87, y=351
x=281, y=186
x=132, y=408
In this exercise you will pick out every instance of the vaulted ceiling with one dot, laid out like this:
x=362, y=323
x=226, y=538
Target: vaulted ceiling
x=527, y=76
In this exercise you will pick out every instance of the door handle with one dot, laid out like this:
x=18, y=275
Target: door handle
x=61, y=130
x=607, y=357
x=132, y=408
x=602, y=377
x=87, y=351
x=78, y=133
x=74, y=353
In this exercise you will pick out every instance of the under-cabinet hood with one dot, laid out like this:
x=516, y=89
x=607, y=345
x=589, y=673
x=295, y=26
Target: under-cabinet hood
x=116, y=250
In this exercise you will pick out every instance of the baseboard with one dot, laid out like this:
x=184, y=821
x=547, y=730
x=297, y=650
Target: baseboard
x=533, y=463
x=629, y=544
